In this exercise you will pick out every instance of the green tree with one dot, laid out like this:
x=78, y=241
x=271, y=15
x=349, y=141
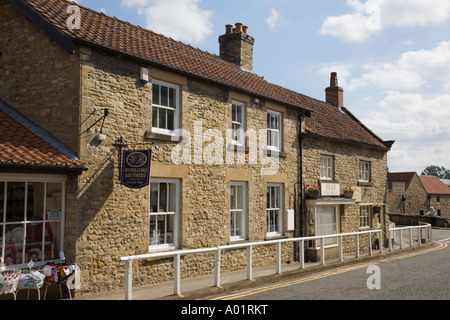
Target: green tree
x=437, y=171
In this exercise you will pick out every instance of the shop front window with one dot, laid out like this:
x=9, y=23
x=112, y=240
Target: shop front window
x=322, y=221
x=31, y=215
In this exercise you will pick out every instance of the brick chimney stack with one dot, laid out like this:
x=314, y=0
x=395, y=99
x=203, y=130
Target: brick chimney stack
x=334, y=94
x=236, y=46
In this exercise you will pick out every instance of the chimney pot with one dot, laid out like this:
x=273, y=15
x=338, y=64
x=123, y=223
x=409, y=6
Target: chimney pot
x=334, y=80
x=245, y=29
x=228, y=28
x=238, y=27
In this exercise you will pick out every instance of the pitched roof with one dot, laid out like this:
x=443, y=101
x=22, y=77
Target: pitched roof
x=109, y=33
x=23, y=143
x=405, y=177
x=433, y=185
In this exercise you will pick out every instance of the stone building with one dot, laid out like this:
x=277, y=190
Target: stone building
x=412, y=194
x=231, y=154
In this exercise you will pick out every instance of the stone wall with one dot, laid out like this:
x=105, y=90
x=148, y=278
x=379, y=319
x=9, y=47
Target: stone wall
x=415, y=201
x=38, y=77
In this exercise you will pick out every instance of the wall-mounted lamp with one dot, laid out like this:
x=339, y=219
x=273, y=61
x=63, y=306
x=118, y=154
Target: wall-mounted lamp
x=100, y=137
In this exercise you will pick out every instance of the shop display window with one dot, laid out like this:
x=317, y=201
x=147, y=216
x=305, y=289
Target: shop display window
x=31, y=215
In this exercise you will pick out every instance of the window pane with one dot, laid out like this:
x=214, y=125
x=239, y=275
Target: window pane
x=240, y=197
x=14, y=234
x=233, y=197
x=155, y=94
x=164, y=96
x=172, y=97
x=172, y=197
x=52, y=240
x=154, y=197
x=326, y=223
x=155, y=117
x=162, y=118
x=170, y=119
x=163, y=197
x=15, y=207
x=2, y=203
x=54, y=201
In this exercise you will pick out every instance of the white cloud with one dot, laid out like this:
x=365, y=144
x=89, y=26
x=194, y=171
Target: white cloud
x=411, y=71
x=420, y=126
x=274, y=18
x=182, y=20
x=373, y=15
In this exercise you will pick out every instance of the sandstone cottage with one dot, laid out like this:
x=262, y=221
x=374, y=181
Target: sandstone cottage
x=231, y=154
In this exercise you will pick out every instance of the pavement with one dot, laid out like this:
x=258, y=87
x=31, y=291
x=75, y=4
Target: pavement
x=203, y=287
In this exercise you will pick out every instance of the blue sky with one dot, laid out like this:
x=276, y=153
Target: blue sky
x=392, y=57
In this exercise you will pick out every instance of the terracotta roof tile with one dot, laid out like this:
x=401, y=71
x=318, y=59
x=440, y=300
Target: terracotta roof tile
x=110, y=33
x=20, y=146
x=433, y=185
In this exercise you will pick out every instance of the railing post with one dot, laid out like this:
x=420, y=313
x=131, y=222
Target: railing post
x=419, y=235
x=217, y=269
x=370, y=243
x=401, y=239
x=176, y=275
x=357, y=245
x=129, y=280
x=341, y=249
x=410, y=237
x=380, y=241
x=278, y=259
x=302, y=254
x=249, y=262
x=322, y=250
x=390, y=241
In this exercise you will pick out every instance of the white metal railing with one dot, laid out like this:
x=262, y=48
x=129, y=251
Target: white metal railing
x=176, y=255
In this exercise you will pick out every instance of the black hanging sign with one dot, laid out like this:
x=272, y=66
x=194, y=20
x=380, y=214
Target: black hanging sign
x=136, y=168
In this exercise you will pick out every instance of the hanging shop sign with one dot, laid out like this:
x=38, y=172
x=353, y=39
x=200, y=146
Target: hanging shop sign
x=136, y=164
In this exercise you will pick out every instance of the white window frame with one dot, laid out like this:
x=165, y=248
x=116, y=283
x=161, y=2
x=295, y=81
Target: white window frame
x=37, y=178
x=326, y=167
x=271, y=206
x=242, y=212
x=175, y=109
x=365, y=217
x=312, y=219
x=175, y=244
x=364, y=168
x=238, y=124
x=274, y=145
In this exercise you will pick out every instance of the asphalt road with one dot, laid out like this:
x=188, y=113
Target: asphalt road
x=420, y=275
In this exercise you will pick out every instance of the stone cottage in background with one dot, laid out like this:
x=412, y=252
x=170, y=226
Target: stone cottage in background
x=412, y=194
x=232, y=156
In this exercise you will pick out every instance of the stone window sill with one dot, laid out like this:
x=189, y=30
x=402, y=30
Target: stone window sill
x=162, y=137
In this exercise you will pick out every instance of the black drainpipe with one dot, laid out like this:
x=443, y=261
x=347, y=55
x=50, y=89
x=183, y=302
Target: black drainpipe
x=300, y=190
